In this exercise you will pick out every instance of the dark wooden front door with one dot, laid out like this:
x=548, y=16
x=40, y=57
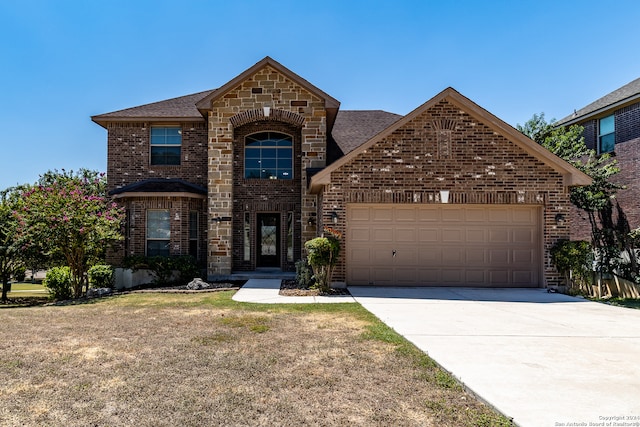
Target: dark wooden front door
x=268, y=240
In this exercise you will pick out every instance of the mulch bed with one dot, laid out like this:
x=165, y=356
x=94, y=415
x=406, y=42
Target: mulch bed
x=212, y=287
x=291, y=288
x=25, y=301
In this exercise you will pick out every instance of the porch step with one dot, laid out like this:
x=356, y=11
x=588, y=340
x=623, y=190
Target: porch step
x=263, y=273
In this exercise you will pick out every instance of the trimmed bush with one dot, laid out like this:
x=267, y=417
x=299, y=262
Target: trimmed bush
x=304, y=274
x=101, y=276
x=323, y=255
x=164, y=268
x=58, y=282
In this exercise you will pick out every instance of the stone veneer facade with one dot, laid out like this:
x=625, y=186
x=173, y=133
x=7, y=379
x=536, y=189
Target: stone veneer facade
x=266, y=88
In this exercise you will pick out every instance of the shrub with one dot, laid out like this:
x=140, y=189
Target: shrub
x=58, y=282
x=323, y=255
x=20, y=273
x=101, y=276
x=304, y=274
x=574, y=259
x=164, y=268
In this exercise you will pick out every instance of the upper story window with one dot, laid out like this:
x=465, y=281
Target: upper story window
x=165, y=145
x=268, y=155
x=606, y=134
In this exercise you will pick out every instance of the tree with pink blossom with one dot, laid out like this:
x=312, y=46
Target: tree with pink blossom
x=69, y=218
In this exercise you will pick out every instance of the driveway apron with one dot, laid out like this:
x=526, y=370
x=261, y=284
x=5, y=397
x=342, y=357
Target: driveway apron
x=543, y=359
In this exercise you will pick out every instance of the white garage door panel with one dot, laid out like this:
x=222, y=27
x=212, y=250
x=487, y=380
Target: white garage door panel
x=444, y=245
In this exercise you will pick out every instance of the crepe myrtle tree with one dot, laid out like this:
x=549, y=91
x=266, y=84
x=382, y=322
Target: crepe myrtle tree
x=68, y=217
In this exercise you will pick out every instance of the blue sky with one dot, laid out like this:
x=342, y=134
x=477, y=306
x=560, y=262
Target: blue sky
x=63, y=61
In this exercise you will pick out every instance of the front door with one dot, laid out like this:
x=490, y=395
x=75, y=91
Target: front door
x=268, y=240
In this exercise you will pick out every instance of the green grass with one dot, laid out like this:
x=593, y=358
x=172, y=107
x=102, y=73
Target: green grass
x=23, y=286
x=625, y=302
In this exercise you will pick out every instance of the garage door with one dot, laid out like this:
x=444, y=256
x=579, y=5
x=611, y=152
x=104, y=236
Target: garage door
x=443, y=245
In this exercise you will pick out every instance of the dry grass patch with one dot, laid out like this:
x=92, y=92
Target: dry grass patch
x=192, y=360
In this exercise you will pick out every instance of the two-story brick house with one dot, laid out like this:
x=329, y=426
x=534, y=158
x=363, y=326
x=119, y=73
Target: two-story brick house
x=241, y=176
x=612, y=125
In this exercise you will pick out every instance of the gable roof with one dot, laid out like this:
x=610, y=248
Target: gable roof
x=572, y=176
x=205, y=103
x=194, y=107
x=627, y=94
x=330, y=103
x=182, y=108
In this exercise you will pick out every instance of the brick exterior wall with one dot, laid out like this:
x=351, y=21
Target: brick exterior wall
x=129, y=154
x=179, y=209
x=267, y=87
x=252, y=196
x=590, y=134
x=445, y=148
x=128, y=161
x=627, y=154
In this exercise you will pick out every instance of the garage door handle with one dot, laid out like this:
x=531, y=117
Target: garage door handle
x=394, y=253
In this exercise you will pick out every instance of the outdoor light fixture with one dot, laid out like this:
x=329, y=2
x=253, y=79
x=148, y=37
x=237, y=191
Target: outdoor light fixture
x=334, y=217
x=177, y=217
x=267, y=110
x=219, y=219
x=311, y=221
x=560, y=219
x=444, y=196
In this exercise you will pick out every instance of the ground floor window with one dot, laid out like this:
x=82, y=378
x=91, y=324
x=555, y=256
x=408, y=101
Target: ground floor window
x=290, y=237
x=158, y=232
x=247, y=237
x=193, y=234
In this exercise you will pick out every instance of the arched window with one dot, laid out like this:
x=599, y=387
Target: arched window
x=268, y=155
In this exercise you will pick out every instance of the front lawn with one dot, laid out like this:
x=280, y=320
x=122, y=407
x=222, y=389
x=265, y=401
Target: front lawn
x=25, y=294
x=202, y=359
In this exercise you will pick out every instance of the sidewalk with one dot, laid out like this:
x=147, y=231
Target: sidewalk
x=266, y=291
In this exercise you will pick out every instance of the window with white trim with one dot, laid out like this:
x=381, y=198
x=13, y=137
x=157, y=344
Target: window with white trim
x=193, y=233
x=268, y=155
x=166, y=143
x=158, y=232
x=606, y=134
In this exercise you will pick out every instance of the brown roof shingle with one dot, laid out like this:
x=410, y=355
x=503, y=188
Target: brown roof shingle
x=353, y=128
x=183, y=108
x=626, y=93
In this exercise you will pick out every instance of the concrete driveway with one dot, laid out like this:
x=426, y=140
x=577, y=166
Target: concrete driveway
x=543, y=359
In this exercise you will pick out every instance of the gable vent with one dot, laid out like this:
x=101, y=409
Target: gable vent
x=444, y=124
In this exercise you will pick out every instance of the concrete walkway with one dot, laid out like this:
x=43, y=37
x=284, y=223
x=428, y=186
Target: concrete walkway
x=265, y=291
x=543, y=359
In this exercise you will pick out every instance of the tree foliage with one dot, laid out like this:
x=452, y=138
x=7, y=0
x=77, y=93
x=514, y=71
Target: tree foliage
x=11, y=260
x=68, y=217
x=610, y=237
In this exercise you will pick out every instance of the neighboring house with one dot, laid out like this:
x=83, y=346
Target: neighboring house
x=241, y=176
x=612, y=125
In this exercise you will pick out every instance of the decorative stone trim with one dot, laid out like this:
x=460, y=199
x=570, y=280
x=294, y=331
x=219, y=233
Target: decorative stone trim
x=257, y=114
x=455, y=197
x=444, y=124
